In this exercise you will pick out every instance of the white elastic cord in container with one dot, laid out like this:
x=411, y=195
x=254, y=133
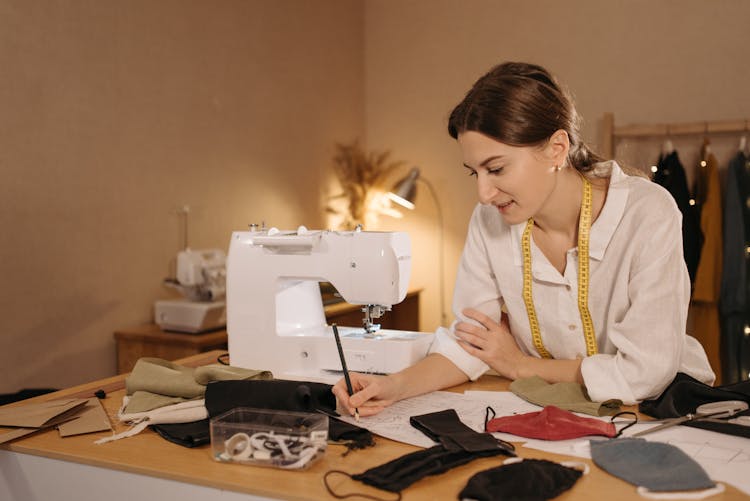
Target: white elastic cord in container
x=283, y=451
x=237, y=447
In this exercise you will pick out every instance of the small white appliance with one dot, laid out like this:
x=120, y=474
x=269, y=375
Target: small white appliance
x=275, y=316
x=201, y=279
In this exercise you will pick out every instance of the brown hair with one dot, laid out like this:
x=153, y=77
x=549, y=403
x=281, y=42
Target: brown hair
x=521, y=104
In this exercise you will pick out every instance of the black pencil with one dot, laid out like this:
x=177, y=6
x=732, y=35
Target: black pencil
x=343, y=367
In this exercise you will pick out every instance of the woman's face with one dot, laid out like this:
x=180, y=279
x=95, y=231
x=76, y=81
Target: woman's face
x=517, y=180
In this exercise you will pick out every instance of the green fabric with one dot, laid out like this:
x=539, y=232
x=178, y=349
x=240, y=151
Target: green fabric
x=164, y=378
x=569, y=396
x=218, y=372
x=144, y=401
x=156, y=383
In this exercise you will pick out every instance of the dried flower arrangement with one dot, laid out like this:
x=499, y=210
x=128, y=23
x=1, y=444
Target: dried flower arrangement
x=360, y=174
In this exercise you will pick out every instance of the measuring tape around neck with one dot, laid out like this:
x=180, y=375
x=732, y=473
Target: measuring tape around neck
x=584, y=227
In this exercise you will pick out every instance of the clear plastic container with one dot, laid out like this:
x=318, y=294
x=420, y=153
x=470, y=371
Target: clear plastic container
x=282, y=439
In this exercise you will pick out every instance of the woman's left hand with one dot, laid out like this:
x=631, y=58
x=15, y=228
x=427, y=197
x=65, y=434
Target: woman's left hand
x=491, y=342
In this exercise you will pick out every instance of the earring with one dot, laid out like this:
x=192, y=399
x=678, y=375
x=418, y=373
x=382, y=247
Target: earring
x=557, y=168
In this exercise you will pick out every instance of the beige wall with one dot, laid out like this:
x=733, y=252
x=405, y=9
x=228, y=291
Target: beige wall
x=646, y=61
x=113, y=114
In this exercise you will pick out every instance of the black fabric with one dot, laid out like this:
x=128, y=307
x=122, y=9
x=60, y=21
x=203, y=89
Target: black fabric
x=529, y=480
x=197, y=433
x=734, y=300
x=191, y=435
x=354, y=437
x=445, y=427
x=279, y=394
x=685, y=393
x=24, y=394
x=459, y=445
x=671, y=175
x=396, y=475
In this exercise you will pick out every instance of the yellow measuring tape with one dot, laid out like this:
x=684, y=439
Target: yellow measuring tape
x=584, y=227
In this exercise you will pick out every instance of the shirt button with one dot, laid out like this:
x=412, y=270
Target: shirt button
x=568, y=287
x=572, y=327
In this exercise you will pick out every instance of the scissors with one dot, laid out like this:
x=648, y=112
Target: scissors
x=711, y=411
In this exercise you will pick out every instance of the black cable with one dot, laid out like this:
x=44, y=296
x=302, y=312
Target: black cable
x=487, y=416
x=624, y=413
x=352, y=494
x=223, y=358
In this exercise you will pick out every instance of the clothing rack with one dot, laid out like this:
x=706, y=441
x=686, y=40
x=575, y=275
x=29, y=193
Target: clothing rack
x=720, y=338
x=611, y=133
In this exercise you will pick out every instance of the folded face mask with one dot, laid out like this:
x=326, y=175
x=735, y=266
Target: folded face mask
x=551, y=423
x=446, y=428
x=652, y=466
x=530, y=480
x=459, y=445
x=400, y=473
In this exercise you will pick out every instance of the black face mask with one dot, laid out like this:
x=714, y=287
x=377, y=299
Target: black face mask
x=528, y=480
x=459, y=445
x=397, y=475
x=446, y=428
x=400, y=473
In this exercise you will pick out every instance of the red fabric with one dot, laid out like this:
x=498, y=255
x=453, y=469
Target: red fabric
x=551, y=423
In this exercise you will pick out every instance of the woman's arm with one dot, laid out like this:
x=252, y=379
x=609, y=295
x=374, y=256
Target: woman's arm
x=553, y=371
x=647, y=343
x=374, y=393
x=493, y=343
x=644, y=343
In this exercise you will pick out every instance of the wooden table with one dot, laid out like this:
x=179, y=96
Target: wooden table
x=157, y=469
x=151, y=341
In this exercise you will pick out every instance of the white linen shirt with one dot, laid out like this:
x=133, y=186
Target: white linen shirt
x=639, y=291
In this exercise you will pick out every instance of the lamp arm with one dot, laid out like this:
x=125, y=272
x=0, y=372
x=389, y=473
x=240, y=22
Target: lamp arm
x=441, y=253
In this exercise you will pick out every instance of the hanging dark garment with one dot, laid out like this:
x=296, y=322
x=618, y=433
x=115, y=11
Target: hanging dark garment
x=735, y=343
x=671, y=175
x=704, y=306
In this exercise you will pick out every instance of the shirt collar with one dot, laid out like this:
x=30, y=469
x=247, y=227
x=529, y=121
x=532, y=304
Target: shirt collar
x=516, y=234
x=614, y=207
x=605, y=225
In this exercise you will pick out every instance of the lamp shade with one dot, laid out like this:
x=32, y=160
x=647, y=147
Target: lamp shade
x=404, y=192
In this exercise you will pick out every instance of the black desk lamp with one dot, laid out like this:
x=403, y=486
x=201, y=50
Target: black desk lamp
x=404, y=193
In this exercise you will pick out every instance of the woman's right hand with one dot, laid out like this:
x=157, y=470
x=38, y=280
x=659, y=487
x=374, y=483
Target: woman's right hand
x=371, y=395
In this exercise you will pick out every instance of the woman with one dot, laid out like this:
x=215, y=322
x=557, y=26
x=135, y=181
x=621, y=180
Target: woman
x=613, y=320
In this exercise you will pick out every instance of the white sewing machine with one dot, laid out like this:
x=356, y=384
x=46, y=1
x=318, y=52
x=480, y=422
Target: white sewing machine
x=275, y=316
x=201, y=279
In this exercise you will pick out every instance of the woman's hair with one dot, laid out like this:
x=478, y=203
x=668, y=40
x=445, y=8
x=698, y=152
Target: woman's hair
x=521, y=104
